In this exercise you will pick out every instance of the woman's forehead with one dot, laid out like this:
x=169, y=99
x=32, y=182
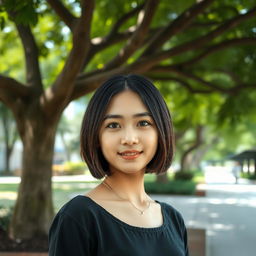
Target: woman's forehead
x=126, y=103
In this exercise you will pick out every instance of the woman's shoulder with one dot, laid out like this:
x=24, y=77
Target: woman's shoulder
x=168, y=207
x=171, y=211
x=78, y=207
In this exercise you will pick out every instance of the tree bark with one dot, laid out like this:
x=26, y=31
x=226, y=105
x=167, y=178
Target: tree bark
x=7, y=144
x=7, y=160
x=66, y=147
x=198, y=142
x=9, y=137
x=35, y=189
x=163, y=178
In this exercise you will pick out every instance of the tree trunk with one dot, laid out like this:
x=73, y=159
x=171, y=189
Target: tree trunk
x=198, y=141
x=35, y=189
x=8, y=152
x=8, y=149
x=200, y=153
x=163, y=178
x=66, y=147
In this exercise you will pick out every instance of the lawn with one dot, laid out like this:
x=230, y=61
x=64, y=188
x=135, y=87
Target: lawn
x=63, y=191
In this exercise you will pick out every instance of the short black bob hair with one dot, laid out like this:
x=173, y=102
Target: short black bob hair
x=95, y=113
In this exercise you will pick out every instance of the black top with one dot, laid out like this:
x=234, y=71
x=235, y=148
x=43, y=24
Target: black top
x=82, y=227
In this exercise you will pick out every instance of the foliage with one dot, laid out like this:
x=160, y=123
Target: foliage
x=199, y=176
x=70, y=168
x=5, y=216
x=184, y=175
x=249, y=176
x=174, y=187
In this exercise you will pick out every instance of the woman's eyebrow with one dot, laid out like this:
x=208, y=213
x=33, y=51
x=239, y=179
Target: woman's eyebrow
x=142, y=114
x=114, y=116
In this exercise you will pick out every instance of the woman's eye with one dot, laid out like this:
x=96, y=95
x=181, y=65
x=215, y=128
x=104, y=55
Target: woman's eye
x=113, y=125
x=144, y=123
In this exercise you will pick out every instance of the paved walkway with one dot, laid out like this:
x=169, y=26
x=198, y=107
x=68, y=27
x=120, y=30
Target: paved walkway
x=227, y=213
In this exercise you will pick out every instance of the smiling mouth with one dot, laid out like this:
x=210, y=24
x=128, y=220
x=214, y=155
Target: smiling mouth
x=130, y=155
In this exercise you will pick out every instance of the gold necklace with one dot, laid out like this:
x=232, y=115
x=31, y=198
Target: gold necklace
x=111, y=189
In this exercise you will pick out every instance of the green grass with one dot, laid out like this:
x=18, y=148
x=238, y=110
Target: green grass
x=8, y=187
x=64, y=191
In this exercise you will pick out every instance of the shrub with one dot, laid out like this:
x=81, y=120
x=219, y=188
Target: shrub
x=74, y=166
x=250, y=176
x=174, y=187
x=70, y=168
x=5, y=216
x=184, y=175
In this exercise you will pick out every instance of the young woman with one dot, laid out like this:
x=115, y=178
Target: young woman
x=126, y=132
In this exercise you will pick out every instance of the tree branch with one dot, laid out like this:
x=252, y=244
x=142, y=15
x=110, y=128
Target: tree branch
x=211, y=87
x=233, y=76
x=197, y=43
x=123, y=19
x=11, y=90
x=198, y=141
x=87, y=84
x=204, y=24
x=182, y=82
x=64, y=14
x=236, y=89
x=187, y=75
x=226, y=7
x=63, y=86
x=33, y=74
x=218, y=47
x=201, y=81
x=176, y=26
x=145, y=64
x=144, y=20
x=100, y=43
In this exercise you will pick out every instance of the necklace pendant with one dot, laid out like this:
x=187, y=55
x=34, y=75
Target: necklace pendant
x=142, y=212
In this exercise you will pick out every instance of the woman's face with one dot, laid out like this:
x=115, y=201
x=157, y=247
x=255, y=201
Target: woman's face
x=128, y=135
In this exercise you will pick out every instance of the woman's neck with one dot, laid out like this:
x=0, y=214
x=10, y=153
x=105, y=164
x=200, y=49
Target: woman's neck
x=128, y=187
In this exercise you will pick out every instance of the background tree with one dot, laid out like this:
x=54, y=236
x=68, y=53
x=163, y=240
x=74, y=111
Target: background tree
x=70, y=47
x=10, y=135
x=69, y=128
x=64, y=128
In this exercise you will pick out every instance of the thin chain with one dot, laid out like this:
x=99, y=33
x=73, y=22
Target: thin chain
x=110, y=188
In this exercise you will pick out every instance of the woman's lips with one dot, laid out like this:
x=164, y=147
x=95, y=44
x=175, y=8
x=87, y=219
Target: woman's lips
x=130, y=154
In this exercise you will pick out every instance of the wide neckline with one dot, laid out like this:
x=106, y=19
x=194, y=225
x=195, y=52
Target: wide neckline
x=127, y=225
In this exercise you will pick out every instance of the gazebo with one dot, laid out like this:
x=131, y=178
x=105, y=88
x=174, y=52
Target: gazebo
x=246, y=157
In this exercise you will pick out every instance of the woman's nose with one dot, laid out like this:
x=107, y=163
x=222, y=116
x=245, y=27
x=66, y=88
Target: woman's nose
x=129, y=137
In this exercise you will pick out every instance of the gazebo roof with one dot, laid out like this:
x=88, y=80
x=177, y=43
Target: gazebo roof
x=245, y=155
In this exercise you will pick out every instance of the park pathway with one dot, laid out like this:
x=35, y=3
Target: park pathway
x=227, y=212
